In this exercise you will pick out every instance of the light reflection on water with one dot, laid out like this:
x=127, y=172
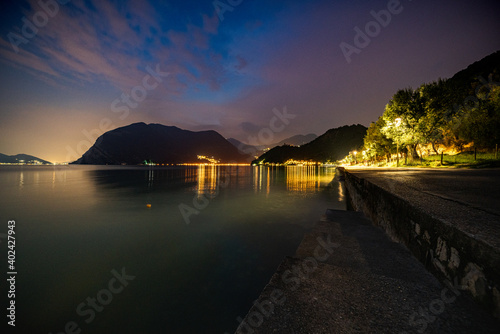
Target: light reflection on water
x=77, y=223
x=341, y=192
x=306, y=178
x=208, y=179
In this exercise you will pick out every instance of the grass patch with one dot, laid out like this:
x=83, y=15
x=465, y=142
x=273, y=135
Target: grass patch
x=461, y=160
x=464, y=159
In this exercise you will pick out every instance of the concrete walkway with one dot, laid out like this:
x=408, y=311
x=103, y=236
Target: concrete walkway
x=347, y=276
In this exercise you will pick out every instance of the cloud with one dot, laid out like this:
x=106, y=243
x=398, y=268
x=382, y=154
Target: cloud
x=242, y=63
x=230, y=75
x=211, y=23
x=99, y=42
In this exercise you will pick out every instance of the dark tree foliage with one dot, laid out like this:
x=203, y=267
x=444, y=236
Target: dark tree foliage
x=452, y=112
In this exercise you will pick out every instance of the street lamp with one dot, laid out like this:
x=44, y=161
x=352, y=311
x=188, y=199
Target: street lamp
x=398, y=123
x=355, y=160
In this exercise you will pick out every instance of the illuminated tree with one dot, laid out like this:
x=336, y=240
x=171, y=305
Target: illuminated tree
x=402, y=116
x=376, y=143
x=437, y=102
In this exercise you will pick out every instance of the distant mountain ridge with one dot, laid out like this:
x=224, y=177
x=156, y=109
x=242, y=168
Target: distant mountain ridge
x=489, y=65
x=244, y=148
x=333, y=145
x=482, y=73
x=296, y=140
x=25, y=158
x=157, y=143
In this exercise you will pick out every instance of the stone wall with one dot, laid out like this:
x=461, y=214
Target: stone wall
x=451, y=255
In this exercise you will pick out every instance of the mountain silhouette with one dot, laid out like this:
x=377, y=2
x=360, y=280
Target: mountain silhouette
x=139, y=142
x=21, y=158
x=333, y=145
x=256, y=150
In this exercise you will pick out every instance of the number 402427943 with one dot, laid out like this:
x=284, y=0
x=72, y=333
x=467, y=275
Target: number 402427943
x=11, y=245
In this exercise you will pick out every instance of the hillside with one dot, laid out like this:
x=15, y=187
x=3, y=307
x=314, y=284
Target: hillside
x=333, y=145
x=139, y=142
x=489, y=65
x=297, y=140
x=21, y=158
x=482, y=73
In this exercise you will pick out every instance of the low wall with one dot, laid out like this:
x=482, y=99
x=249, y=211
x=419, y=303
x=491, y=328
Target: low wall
x=450, y=254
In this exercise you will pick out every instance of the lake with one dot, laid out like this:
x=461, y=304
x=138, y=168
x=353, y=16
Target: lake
x=92, y=256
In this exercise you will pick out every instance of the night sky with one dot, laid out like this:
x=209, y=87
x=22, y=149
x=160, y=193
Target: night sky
x=91, y=66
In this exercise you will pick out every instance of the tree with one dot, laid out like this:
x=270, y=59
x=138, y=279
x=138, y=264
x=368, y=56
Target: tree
x=438, y=109
x=480, y=123
x=375, y=142
x=402, y=116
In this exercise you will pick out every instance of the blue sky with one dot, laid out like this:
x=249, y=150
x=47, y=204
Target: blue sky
x=59, y=84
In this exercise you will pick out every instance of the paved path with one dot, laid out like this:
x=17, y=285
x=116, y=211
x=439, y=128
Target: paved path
x=347, y=276
x=466, y=198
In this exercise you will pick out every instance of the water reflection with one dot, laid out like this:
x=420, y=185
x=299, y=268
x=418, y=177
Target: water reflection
x=341, y=192
x=257, y=178
x=151, y=177
x=44, y=189
x=34, y=175
x=144, y=179
x=307, y=179
x=208, y=179
x=204, y=179
x=87, y=220
x=303, y=179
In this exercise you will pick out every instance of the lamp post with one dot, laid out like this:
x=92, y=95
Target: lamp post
x=398, y=123
x=355, y=160
x=397, y=153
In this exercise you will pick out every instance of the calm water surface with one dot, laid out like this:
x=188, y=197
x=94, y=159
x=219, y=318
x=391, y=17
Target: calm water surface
x=194, y=261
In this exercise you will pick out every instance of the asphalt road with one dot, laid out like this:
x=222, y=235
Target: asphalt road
x=466, y=198
x=476, y=188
